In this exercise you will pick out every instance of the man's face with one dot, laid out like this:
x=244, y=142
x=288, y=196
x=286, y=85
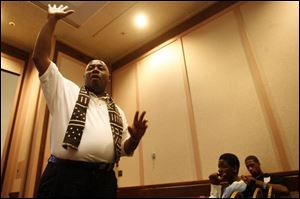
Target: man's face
x=227, y=173
x=253, y=167
x=96, y=76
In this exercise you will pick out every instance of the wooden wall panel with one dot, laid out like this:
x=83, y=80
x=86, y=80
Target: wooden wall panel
x=242, y=76
x=273, y=32
x=125, y=95
x=227, y=108
x=162, y=95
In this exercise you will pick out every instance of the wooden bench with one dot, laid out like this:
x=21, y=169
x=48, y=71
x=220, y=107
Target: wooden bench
x=200, y=188
x=180, y=189
x=292, y=181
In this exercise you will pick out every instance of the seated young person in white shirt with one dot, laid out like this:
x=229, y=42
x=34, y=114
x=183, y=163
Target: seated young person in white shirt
x=227, y=176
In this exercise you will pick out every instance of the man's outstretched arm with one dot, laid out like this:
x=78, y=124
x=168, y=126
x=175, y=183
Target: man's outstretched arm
x=42, y=48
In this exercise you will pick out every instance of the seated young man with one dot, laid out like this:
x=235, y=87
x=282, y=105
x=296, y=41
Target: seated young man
x=227, y=175
x=262, y=180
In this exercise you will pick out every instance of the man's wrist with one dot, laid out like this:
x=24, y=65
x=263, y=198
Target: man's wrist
x=131, y=145
x=52, y=18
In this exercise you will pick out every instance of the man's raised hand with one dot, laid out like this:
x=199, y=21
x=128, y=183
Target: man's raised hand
x=137, y=130
x=58, y=12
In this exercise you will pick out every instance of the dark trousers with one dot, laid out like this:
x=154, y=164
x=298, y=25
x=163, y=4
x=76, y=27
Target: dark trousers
x=59, y=180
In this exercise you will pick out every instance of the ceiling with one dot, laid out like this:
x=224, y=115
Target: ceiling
x=100, y=29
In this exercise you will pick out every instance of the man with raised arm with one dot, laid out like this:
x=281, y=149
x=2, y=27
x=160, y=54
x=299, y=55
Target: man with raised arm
x=89, y=132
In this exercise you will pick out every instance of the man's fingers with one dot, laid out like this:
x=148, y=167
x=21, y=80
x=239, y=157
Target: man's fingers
x=61, y=8
x=145, y=122
x=144, y=128
x=65, y=7
x=142, y=116
x=135, y=120
x=69, y=12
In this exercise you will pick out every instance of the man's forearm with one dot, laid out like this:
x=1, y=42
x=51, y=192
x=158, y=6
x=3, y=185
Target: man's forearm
x=278, y=188
x=42, y=48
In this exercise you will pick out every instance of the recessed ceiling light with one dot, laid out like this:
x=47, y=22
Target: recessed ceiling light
x=141, y=20
x=11, y=23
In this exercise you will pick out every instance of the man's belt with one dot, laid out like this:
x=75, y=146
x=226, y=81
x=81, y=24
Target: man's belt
x=75, y=163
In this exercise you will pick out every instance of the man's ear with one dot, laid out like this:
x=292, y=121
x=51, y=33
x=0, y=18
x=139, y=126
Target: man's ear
x=235, y=169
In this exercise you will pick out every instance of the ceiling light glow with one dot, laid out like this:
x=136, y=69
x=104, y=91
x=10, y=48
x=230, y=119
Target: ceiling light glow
x=141, y=21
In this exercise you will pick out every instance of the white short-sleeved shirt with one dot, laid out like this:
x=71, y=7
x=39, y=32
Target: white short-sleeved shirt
x=97, y=140
x=216, y=190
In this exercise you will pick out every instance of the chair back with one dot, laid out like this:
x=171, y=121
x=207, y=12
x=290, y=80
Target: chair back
x=257, y=193
x=270, y=191
x=236, y=194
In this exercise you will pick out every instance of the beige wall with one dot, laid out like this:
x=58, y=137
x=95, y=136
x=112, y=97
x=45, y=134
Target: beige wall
x=229, y=85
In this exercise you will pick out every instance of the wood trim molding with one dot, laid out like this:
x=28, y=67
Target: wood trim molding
x=138, y=106
x=43, y=137
x=11, y=64
x=191, y=115
x=15, y=52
